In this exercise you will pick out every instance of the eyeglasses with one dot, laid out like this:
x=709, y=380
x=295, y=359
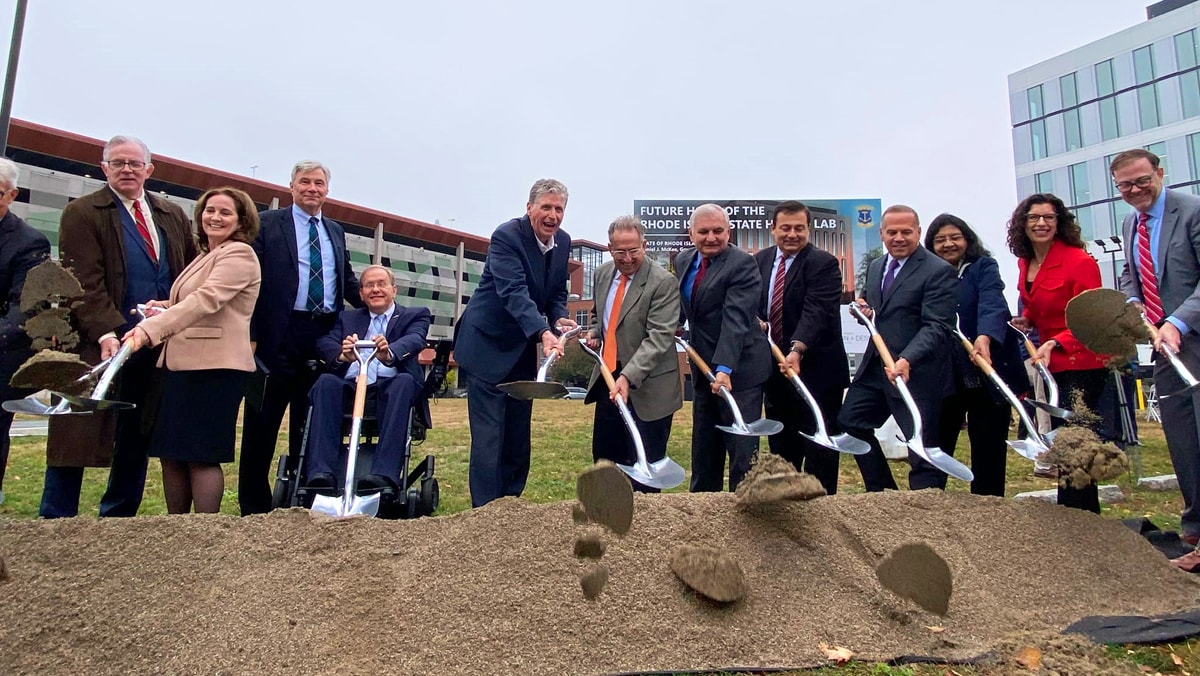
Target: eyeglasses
x=1050, y=219
x=377, y=285
x=136, y=165
x=937, y=241
x=626, y=253
x=1142, y=182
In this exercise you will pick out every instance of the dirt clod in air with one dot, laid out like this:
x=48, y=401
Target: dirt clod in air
x=773, y=479
x=578, y=514
x=51, y=329
x=710, y=572
x=1083, y=459
x=48, y=283
x=1103, y=321
x=52, y=370
x=606, y=496
x=589, y=546
x=915, y=572
x=593, y=581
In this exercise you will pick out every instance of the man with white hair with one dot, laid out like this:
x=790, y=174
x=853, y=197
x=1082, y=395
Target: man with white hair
x=125, y=246
x=306, y=275
x=21, y=248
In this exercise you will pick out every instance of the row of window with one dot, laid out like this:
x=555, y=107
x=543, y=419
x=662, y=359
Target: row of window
x=1145, y=110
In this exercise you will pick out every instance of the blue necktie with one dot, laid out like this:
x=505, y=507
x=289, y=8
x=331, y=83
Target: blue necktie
x=316, y=281
x=890, y=278
x=377, y=328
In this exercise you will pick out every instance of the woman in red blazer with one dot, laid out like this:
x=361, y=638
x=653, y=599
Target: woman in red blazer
x=1055, y=267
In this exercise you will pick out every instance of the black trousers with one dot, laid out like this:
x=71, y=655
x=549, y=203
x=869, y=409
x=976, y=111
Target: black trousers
x=784, y=403
x=987, y=428
x=1090, y=383
x=869, y=402
x=287, y=388
x=710, y=445
x=611, y=440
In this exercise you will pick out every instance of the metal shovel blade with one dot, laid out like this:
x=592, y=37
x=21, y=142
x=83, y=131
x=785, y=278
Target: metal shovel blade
x=662, y=474
x=842, y=443
x=43, y=403
x=762, y=427
x=533, y=389
x=366, y=505
x=1027, y=448
x=939, y=459
x=87, y=404
x=1053, y=410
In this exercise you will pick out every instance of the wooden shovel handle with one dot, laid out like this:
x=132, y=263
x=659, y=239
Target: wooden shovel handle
x=882, y=349
x=697, y=359
x=781, y=359
x=607, y=375
x=976, y=359
x=360, y=392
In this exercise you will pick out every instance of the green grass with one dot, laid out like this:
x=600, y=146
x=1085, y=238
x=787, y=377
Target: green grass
x=561, y=447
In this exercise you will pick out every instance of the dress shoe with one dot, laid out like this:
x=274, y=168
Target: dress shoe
x=376, y=482
x=323, y=483
x=1190, y=539
x=1189, y=563
x=1050, y=472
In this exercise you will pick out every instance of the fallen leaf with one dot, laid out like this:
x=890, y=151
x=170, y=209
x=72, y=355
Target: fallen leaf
x=836, y=654
x=936, y=630
x=1030, y=658
x=1177, y=660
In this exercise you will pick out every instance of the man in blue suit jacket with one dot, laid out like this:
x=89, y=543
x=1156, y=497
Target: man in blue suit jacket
x=396, y=380
x=523, y=292
x=305, y=275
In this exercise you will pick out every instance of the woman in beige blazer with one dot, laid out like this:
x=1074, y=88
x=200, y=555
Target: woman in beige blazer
x=206, y=327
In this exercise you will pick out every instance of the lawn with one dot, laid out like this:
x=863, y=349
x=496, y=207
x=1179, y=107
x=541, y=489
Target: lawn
x=562, y=447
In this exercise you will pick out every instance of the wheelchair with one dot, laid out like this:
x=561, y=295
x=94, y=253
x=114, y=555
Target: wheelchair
x=417, y=495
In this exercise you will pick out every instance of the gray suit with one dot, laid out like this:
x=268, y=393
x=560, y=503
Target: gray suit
x=646, y=356
x=724, y=331
x=1179, y=289
x=914, y=319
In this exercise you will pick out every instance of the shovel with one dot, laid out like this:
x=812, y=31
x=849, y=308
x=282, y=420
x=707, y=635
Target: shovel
x=1035, y=444
x=842, y=443
x=350, y=503
x=759, y=428
x=933, y=455
x=1173, y=357
x=660, y=474
x=541, y=388
x=1051, y=406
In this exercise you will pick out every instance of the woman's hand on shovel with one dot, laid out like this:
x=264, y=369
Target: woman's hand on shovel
x=138, y=336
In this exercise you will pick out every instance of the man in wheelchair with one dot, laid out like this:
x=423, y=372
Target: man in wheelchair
x=395, y=380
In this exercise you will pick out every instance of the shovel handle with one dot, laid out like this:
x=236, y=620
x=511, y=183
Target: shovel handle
x=781, y=359
x=975, y=359
x=1031, y=349
x=360, y=393
x=884, y=353
x=697, y=359
x=607, y=375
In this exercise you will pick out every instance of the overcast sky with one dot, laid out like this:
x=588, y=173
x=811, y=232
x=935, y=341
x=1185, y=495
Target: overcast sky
x=450, y=110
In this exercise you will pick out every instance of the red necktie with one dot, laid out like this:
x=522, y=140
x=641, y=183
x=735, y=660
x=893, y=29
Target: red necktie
x=775, y=316
x=1154, y=310
x=699, y=275
x=140, y=219
x=610, y=327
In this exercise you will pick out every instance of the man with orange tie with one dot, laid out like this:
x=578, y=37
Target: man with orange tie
x=1162, y=272
x=125, y=246
x=635, y=314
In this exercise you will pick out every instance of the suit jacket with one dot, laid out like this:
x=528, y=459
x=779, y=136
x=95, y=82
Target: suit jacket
x=812, y=295
x=517, y=299
x=724, y=330
x=21, y=249
x=1067, y=272
x=982, y=310
x=91, y=243
x=1178, y=258
x=207, y=325
x=278, y=257
x=405, y=333
x=915, y=320
x=646, y=353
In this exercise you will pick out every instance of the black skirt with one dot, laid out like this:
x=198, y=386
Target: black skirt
x=197, y=418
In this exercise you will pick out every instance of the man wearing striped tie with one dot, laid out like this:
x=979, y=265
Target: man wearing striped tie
x=1162, y=272
x=633, y=325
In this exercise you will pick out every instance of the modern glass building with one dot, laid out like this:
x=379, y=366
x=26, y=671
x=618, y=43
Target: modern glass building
x=1071, y=114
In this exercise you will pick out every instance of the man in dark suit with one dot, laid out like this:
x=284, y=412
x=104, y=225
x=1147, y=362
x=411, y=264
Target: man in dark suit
x=396, y=380
x=306, y=274
x=913, y=295
x=721, y=287
x=21, y=248
x=125, y=247
x=522, y=293
x=635, y=315
x=801, y=296
x=1162, y=247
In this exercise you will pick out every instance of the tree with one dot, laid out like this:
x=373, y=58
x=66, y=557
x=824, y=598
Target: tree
x=574, y=367
x=860, y=280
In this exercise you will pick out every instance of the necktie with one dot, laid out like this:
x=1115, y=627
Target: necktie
x=144, y=230
x=890, y=277
x=377, y=328
x=316, y=281
x=610, y=326
x=699, y=275
x=775, y=316
x=1154, y=309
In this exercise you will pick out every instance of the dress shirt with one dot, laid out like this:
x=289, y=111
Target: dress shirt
x=1154, y=227
x=787, y=267
x=328, y=263
x=383, y=371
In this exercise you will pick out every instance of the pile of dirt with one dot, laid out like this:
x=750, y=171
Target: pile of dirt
x=772, y=479
x=497, y=590
x=1083, y=459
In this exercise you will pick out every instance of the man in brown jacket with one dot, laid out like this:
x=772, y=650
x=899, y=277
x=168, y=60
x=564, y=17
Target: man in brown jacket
x=126, y=247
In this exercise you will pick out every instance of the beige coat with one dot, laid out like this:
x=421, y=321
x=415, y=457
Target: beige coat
x=207, y=325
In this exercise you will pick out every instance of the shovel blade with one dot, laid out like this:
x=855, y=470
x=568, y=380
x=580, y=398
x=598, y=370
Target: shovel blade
x=842, y=443
x=33, y=405
x=86, y=404
x=1185, y=392
x=1053, y=410
x=661, y=474
x=758, y=428
x=941, y=460
x=1027, y=448
x=533, y=389
x=328, y=505
x=367, y=505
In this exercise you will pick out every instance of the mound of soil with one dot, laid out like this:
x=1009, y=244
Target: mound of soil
x=1083, y=459
x=497, y=590
x=771, y=479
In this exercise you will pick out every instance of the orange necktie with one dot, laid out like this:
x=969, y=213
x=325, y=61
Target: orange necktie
x=610, y=327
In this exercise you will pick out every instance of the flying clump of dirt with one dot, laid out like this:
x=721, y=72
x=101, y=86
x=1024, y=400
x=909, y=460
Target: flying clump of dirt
x=51, y=329
x=1082, y=458
x=50, y=370
x=49, y=284
x=1103, y=321
x=709, y=572
x=773, y=479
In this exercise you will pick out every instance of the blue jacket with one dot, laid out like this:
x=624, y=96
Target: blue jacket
x=982, y=309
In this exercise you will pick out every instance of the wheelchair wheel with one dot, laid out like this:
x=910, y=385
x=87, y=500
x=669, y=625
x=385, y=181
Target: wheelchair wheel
x=280, y=494
x=431, y=496
x=413, y=504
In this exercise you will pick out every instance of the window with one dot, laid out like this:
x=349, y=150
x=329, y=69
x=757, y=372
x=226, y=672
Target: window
x=1037, y=136
x=1112, y=187
x=1043, y=182
x=1081, y=191
x=1193, y=142
x=1070, y=93
x=1110, y=127
x=1071, y=125
x=1147, y=94
x=1160, y=149
x=1034, y=96
x=1187, y=50
x=1187, y=54
x=581, y=317
x=1087, y=229
x=1105, y=82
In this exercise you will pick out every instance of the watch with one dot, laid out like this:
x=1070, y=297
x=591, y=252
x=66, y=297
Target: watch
x=798, y=347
